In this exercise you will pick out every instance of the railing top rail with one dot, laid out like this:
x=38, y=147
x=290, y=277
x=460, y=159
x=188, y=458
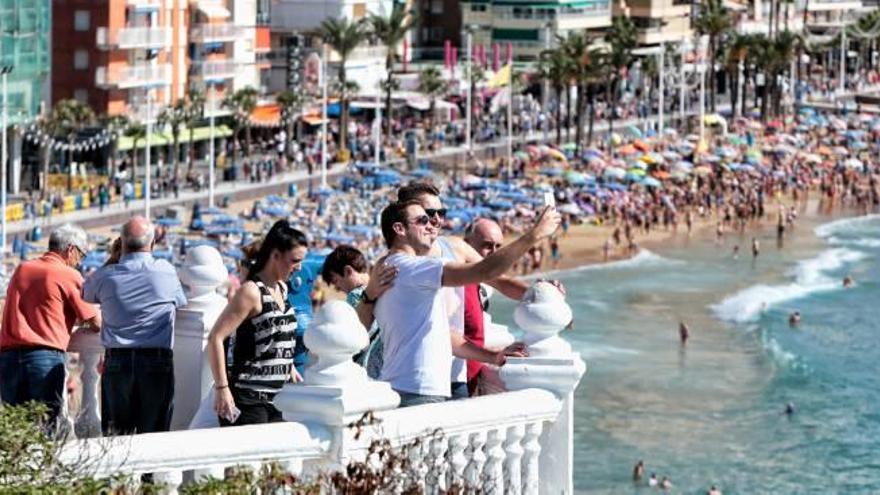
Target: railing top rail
x=182, y=450
x=476, y=414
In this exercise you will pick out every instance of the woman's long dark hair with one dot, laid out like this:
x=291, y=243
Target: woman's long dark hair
x=282, y=238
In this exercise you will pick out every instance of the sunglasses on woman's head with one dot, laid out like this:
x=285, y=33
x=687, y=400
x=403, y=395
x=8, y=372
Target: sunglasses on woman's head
x=421, y=220
x=432, y=212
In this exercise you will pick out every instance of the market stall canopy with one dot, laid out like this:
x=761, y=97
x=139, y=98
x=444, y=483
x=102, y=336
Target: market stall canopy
x=164, y=138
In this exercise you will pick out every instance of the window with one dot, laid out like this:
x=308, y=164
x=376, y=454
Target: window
x=437, y=33
x=477, y=8
x=81, y=20
x=436, y=6
x=81, y=95
x=81, y=59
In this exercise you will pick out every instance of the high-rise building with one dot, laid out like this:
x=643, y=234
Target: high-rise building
x=531, y=26
x=113, y=54
x=658, y=21
x=25, y=45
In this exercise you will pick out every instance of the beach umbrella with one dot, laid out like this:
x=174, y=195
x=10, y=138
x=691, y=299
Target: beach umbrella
x=522, y=155
x=812, y=158
x=340, y=238
x=651, y=182
x=683, y=165
x=593, y=152
x=574, y=178
x=840, y=151
x=614, y=173
x=702, y=170
x=853, y=163
x=633, y=131
x=648, y=159
x=571, y=209
x=671, y=156
x=421, y=173
x=660, y=174
x=551, y=171
x=728, y=152
x=712, y=158
x=569, y=146
x=276, y=211
x=679, y=175
x=859, y=145
x=641, y=146
x=169, y=222
x=615, y=187
x=556, y=154
x=632, y=177
x=627, y=149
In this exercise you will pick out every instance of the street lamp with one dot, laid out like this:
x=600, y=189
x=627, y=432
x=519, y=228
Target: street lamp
x=212, y=104
x=4, y=71
x=147, y=193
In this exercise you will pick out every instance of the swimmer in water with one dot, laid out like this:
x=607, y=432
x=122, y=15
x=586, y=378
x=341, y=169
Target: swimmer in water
x=736, y=252
x=794, y=319
x=789, y=409
x=652, y=481
x=713, y=491
x=666, y=484
x=683, y=332
x=847, y=282
x=638, y=471
x=756, y=247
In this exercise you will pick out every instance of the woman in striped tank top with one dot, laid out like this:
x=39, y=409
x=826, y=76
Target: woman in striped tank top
x=264, y=325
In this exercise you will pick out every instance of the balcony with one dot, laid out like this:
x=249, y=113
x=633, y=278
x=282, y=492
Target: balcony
x=135, y=76
x=213, y=69
x=215, y=33
x=133, y=38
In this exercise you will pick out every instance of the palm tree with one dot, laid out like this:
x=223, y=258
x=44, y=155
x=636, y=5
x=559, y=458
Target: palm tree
x=242, y=104
x=553, y=67
x=70, y=117
x=736, y=52
x=137, y=132
x=582, y=70
x=622, y=39
x=195, y=112
x=343, y=36
x=391, y=31
x=291, y=106
x=713, y=22
x=115, y=125
x=432, y=84
x=175, y=117
x=785, y=47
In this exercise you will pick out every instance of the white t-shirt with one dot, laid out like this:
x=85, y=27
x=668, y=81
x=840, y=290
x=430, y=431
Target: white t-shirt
x=415, y=327
x=454, y=297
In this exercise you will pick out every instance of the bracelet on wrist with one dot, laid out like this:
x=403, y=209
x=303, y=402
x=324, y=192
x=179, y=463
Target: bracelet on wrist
x=221, y=387
x=367, y=299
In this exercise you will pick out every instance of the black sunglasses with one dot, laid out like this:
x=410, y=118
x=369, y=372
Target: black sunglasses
x=421, y=220
x=432, y=212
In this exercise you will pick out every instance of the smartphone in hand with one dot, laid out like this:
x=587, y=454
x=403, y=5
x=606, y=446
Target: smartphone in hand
x=233, y=415
x=549, y=199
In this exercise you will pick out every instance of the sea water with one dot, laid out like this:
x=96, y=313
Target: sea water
x=713, y=411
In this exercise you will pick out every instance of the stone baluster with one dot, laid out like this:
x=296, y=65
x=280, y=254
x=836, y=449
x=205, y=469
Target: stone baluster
x=169, y=480
x=216, y=472
x=436, y=475
x=417, y=454
x=493, y=472
x=202, y=273
x=457, y=460
x=87, y=344
x=336, y=391
x=473, y=475
x=553, y=366
x=532, y=482
x=513, y=451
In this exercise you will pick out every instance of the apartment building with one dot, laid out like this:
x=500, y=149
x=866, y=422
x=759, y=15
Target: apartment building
x=25, y=45
x=657, y=21
x=530, y=26
x=365, y=66
x=115, y=54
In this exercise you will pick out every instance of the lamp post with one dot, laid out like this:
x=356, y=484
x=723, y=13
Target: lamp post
x=4, y=71
x=212, y=105
x=468, y=101
x=662, y=87
x=546, y=90
x=323, y=72
x=147, y=155
x=378, y=130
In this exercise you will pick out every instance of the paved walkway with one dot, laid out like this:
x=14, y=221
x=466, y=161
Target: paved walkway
x=117, y=213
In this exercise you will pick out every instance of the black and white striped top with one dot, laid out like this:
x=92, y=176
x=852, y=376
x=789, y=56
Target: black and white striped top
x=262, y=355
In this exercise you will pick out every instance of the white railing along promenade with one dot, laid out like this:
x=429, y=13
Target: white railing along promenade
x=516, y=441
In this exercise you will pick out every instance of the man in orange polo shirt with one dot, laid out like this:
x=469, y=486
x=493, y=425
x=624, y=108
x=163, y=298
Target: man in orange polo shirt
x=43, y=303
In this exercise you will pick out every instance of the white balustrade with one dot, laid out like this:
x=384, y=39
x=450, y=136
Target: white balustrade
x=202, y=273
x=177, y=456
x=512, y=442
x=87, y=420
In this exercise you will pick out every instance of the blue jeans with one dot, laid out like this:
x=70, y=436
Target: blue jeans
x=407, y=399
x=33, y=375
x=137, y=391
x=460, y=390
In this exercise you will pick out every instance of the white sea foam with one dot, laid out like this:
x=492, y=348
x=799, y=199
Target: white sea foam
x=779, y=355
x=844, y=225
x=811, y=276
x=869, y=243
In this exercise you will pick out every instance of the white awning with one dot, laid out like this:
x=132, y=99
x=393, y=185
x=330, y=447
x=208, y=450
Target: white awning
x=213, y=10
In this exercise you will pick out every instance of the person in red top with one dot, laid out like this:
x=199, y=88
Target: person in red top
x=43, y=304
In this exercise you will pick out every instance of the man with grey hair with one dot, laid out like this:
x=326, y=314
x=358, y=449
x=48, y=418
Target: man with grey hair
x=138, y=297
x=43, y=305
